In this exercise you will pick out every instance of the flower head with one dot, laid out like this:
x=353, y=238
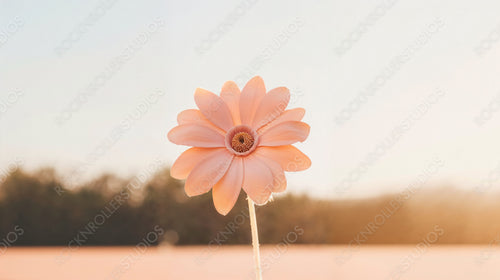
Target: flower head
x=239, y=140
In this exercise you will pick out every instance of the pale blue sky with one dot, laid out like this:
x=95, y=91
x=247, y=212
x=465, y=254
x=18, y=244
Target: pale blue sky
x=288, y=43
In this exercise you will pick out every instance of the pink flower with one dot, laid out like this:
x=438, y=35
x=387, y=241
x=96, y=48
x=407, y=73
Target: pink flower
x=239, y=140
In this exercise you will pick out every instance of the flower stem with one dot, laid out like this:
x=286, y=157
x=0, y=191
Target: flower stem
x=255, y=238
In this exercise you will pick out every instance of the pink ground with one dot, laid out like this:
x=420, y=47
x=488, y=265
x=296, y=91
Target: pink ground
x=235, y=262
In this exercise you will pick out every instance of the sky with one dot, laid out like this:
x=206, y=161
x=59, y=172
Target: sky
x=397, y=93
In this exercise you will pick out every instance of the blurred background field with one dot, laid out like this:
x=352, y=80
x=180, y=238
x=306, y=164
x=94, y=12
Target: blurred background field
x=109, y=210
x=296, y=262
x=145, y=226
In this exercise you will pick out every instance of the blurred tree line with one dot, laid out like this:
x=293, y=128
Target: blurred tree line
x=50, y=214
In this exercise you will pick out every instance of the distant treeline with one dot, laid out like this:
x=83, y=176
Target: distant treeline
x=37, y=209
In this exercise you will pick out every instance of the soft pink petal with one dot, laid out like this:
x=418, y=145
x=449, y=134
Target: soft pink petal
x=271, y=106
x=285, y=133
x=258, y=179
x=196, y=135
x=193, y=116
x=226, y=191
x=208, y=172
x=289, y=157
x=279, y=179
x=189, y=159
x=213, y=108
x=230, y=93
x=190, y=116
x=295, y=114
x=251, y=95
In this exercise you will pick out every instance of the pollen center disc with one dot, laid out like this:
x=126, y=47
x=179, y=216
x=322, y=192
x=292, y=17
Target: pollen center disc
x=242, y=142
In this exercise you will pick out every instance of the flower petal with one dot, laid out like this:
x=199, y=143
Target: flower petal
x=208, y=172
x=230, y=93
x=225, y=193
x=193, y=116
x=251, y=96
x=289, y=157
x=189, y=159
x=190, y=116
x=258, y=179
x=271, y=106
x=213, y=108
x=196, y=135
x=279, y=179
x=285, y=133
x=295, y=114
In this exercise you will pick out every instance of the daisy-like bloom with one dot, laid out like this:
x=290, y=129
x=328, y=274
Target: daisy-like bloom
x=239, y=140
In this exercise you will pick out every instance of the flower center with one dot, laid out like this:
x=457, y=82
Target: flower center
x=241, y=140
